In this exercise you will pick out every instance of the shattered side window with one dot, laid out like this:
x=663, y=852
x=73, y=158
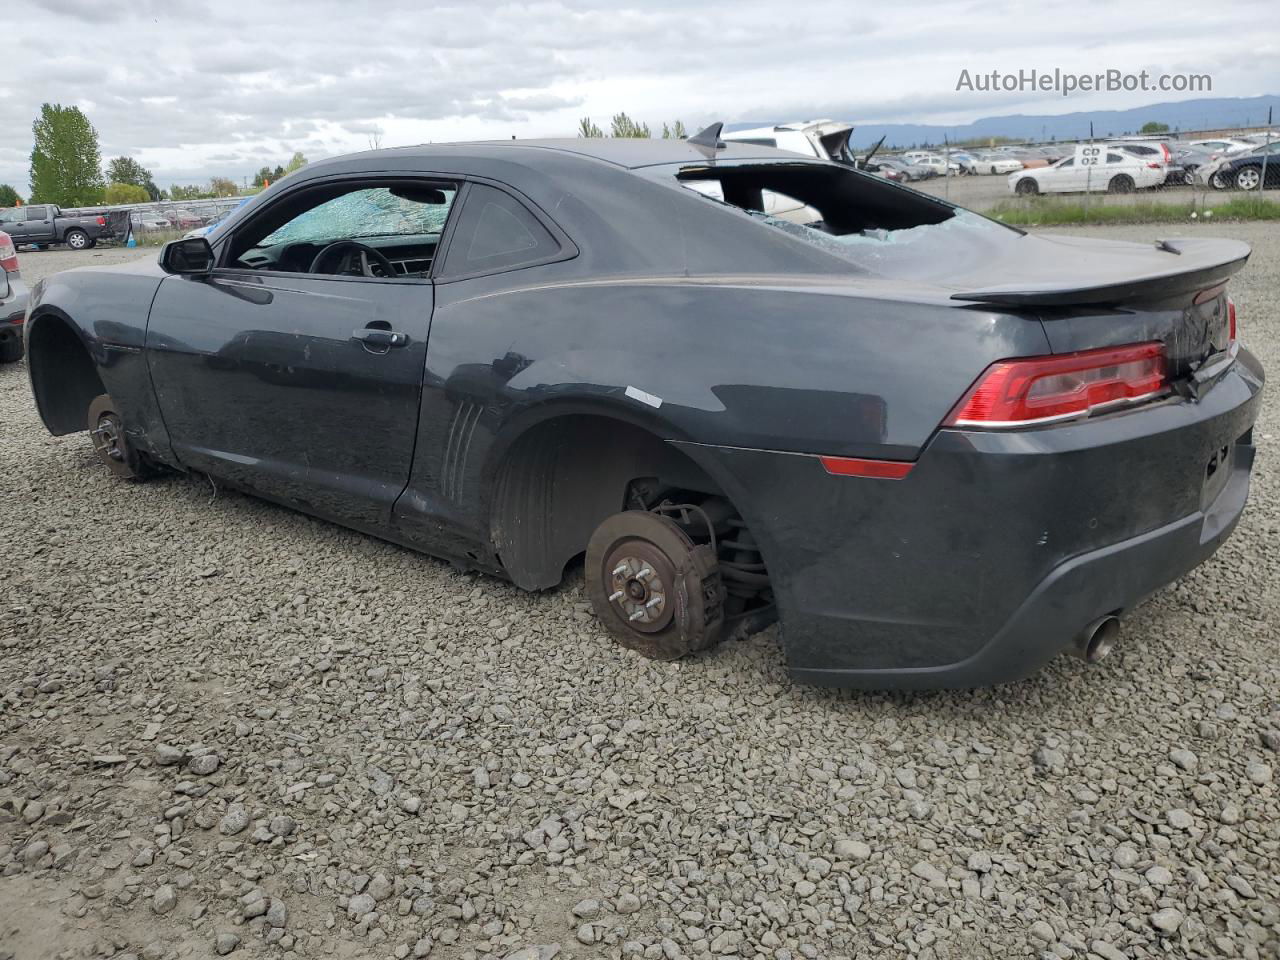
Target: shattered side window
x=853, y=216
x=374, y=212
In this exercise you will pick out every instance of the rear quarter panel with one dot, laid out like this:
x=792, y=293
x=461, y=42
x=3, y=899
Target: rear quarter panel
x=822, y=368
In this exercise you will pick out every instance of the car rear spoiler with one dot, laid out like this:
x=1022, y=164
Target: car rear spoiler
x=1106, y=275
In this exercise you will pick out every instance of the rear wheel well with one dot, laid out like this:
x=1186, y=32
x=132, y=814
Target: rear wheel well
x=64, y=377
x=563, y=477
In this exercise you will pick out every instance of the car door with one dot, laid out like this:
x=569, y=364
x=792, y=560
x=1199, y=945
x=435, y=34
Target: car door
x=300, y=382
x=14, y=223
x=39, y=225
x=1060, y=178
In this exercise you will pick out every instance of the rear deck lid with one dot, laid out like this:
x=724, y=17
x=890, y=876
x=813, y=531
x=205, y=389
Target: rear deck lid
x=1074, y=271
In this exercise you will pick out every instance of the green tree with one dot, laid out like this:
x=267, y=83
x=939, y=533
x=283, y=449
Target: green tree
x=191, y=192
x=296, y=162
x=126, y=193
x=588, y=129
x=277, y=173
x=66, y=166
x=223, y=187
x=1151, y=126
x=129, y=170
x=9, y=196
x=674, y=132
x=624, y=126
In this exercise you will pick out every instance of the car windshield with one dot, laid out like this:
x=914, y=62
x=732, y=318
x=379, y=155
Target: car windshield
x=375, y=212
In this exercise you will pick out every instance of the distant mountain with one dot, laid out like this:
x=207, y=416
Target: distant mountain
x=1203, y=114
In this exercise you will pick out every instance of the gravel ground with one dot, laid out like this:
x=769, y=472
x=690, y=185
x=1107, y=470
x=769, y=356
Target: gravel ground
x=226, y=728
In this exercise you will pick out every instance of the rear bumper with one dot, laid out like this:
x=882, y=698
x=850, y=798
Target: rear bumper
x=985, y=561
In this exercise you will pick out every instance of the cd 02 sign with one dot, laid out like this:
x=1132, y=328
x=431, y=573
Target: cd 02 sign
x=1088, y=155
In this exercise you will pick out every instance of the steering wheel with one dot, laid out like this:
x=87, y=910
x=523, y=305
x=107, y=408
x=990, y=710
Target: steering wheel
x=350, y=264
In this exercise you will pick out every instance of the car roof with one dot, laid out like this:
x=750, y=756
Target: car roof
x=629, y=152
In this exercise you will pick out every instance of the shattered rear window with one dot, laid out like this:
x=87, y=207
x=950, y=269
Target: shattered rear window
x=844, y=212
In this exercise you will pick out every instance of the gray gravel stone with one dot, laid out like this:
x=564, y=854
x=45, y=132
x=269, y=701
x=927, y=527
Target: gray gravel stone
x=1167, y=921
x=234, y=820
x=224, y=943
x=854, y=850
x=282, y=826
x=1043, y=932
x=164, y=899
x=168, y=755
x=204, y=765
x=1185, y=759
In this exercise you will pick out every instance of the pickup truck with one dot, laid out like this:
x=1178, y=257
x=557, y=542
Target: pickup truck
x=41, y=223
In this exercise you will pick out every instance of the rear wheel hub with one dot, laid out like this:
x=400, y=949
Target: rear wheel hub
x=638, y=578
x=657, y=592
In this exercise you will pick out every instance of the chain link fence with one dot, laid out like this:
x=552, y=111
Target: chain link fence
x=157, y=223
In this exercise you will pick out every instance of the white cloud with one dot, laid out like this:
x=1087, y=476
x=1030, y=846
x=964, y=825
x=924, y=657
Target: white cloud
x=193, y=89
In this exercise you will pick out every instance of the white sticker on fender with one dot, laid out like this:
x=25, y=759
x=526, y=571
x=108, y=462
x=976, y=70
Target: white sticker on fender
x=636, y=394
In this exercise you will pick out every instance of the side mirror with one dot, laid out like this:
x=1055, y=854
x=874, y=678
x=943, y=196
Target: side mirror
x=191, y=257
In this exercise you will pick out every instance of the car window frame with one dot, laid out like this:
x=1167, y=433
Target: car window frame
x=568, y=250
x=370, y=180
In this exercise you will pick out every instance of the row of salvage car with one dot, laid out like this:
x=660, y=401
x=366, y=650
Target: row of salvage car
x=1114, y=165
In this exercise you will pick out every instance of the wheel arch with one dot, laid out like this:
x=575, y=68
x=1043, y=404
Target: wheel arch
x=559, y=470
x=64, y=375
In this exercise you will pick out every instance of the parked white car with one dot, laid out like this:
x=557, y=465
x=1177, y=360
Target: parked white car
x=1226, y=145
x=825, y=139
x=1092, y=169
x=996, y=163
x=935, y=162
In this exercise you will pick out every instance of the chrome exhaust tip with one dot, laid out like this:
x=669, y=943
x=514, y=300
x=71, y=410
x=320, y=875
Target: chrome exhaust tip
x=1095, y=641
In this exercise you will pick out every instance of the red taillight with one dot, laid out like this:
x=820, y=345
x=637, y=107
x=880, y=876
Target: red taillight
x=1018, y=393
x=1165, y=150
x=102, y=221
x=1231, y=320
x=1155, y=166
x=8, y=254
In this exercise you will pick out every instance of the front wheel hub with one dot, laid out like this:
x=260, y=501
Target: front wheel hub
x=106, y=437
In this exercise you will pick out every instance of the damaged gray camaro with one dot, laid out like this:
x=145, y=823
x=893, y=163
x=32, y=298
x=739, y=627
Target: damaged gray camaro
x=937, y=450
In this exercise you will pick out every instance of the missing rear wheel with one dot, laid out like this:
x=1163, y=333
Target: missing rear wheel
x=658, y=592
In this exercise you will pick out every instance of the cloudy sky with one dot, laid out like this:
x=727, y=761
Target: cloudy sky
x=194, y=88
